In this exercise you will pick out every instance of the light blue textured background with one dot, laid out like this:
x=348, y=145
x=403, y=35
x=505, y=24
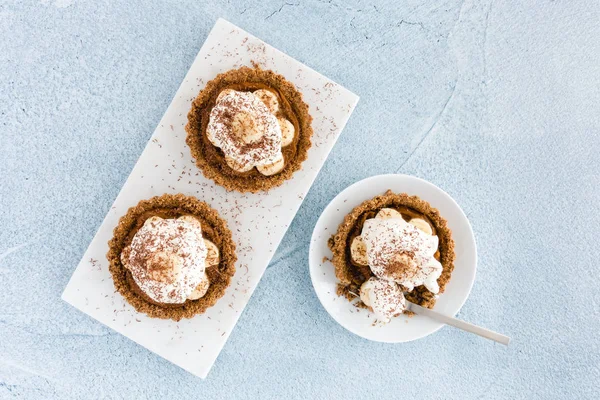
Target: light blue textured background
x=497, y=103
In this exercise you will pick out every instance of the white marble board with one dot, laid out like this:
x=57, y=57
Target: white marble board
x=258, y=221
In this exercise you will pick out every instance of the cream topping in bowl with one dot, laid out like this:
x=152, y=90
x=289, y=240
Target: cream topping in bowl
x=400, y=252
x=385, y=298
x=167, y=259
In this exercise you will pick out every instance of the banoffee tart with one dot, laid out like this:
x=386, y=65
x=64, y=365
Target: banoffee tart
x=171, y=256
x=391, y=248
x=249, y=130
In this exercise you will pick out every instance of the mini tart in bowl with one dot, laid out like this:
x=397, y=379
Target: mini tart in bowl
x=353, y=274
x=281, y=98
x=220, y=254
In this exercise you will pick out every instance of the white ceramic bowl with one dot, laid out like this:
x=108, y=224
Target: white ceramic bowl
x=360, y=321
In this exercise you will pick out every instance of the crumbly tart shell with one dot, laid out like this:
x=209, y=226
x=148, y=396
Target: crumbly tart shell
x=339, y=244
x=218, y=172
x=172, y=206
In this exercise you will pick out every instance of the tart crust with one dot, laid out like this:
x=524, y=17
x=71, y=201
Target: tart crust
x=210, y=159
x=351, y=276
x=214, y=228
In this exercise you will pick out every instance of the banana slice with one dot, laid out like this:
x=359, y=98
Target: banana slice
x=287, y=131
x=422, y=225
x=386, y=213
x=236, y=166
x=191, y=219
x=358, y=251
x=201, y=289
x=272, y=169
x=245, y=127
x=152, y=220
x=269, y=98
x=211, y=138
x=365, y=292
x=125, y=256
x=212, y=255
x=224, y=93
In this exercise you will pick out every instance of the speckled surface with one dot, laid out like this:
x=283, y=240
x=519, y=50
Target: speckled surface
x=495, y=103
x=257, y=221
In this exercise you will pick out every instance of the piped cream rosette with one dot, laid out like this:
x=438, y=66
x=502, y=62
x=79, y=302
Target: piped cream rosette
x=401, y=256
x=168, y=259
x=245, y=127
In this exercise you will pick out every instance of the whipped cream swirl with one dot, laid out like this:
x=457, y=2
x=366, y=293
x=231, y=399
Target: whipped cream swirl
x=167, y=259
x=397, y=251
x=245, y=130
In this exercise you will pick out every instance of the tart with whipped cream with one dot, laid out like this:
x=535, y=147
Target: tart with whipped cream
x=171, y=256
x=249, y=129
x=390, y=249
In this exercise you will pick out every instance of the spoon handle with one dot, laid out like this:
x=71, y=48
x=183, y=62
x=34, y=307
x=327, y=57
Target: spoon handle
x=457, y=323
